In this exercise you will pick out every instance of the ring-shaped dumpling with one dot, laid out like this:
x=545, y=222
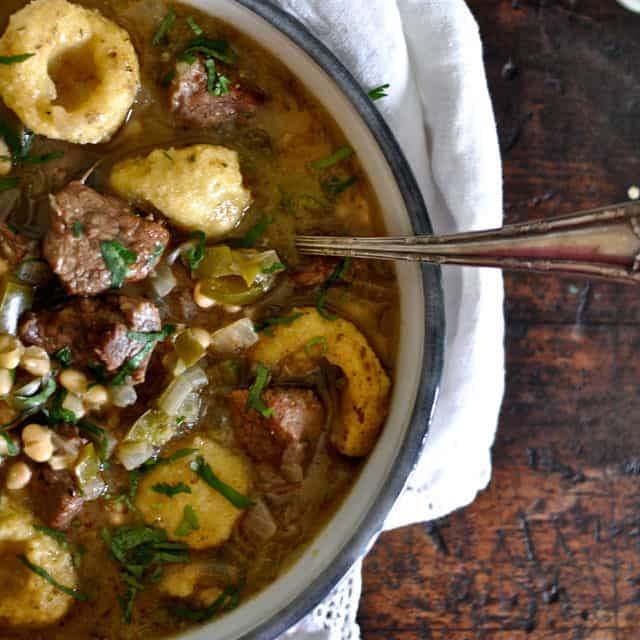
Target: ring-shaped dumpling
x=82, y=78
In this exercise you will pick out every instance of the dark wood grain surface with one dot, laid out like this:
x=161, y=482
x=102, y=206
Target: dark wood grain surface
x=552, y=548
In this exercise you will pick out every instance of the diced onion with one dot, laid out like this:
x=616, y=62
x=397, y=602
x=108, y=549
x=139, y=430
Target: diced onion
x=163, y=281
x=74, y=403
x=237, y=336
x=87, y=470
x=134, y=454
x=123, y=395
x=28, y=389
x=176, y=393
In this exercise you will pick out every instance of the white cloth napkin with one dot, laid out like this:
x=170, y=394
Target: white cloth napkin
x=438, y=106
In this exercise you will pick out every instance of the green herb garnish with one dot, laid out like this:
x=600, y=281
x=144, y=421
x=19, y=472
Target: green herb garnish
x=171, y=490
x=334, y=186
x=338, y=156
x=64, y=356
x=140, y=553
x=21, y=57
x=167, y=79
x=274, y=268
x=58, y=536
x=12, y=450
x=252, y=236
x=152, y=336
x=272, y=322
x=204, y=471
x=317, y=341
x=117, y=258
x=47, y=157
x=56, y=413
x=41, y=397
x=189, y=522
x=155, y=256
x=195, y=254
x=74, y=593
x=9, y=183
x=379, y=92
x=163, y=29
x=254, y=399
x=227, y=600
x=78, y=229
x=209, y=48
x=191, y=21
x=176, y=455
x=338, y=273
x=98, y=435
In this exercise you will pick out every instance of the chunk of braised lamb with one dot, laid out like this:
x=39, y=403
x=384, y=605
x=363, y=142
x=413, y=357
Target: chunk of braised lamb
x=298, y=417
x=82, y=220
x=14, y=247
x=192, y=102
x=97, y=331
x=56, y=499
x=314, y=271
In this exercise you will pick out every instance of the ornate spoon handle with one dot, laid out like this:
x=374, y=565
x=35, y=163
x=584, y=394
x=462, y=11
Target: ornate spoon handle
x=601, y=243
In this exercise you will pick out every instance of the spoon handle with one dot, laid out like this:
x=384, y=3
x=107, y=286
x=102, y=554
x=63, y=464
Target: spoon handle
x=600, y=243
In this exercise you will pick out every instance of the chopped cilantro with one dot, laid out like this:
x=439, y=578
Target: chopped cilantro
x=171, y=490
x=47, y=157
x=29, y=402
x=338, y=156
x=21, y=57
x=191, y=21
x=168, y=78
x=204, y=471
x=141, y=553
x=255, y=233
x=195, y=254
x=254, y=400
x=163, y=29
x=74, y=593
x=9, y=183
x=78, y=229
x=338, y=273
x=320, y=341
x=189, y=522
x=64, y=356
x=334, y=186
x=117, y=258
x=227, y=600
x=155, y=256
x=271, y=322
x=209, y=48
x=275, y=268
x=12, y=450
x=379, y=92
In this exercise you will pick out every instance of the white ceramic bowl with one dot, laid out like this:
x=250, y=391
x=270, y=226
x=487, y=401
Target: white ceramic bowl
x=352, y=529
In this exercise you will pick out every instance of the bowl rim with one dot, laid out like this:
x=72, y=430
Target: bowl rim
x=433, y=352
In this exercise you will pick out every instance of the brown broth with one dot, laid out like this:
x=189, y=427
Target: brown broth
x=275, y=147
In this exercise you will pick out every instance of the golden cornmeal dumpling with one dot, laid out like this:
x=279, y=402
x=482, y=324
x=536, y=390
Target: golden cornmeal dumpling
x=82, y=79
x=216, y=516
x=26, y=599
x=197, y=187
x=365, y=397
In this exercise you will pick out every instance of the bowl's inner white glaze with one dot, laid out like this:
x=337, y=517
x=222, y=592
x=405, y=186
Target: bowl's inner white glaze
x=322, y=552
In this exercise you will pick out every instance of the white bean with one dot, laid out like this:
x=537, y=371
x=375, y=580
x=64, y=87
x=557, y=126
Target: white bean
x=6, y=381
x=200, y=299
x=37, y=442
x=18, y=476
x=10, y=351
x=36, y=361
x=74, y=381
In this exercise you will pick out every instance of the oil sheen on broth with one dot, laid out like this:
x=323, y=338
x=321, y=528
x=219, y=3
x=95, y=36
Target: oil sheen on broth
x=185, y=400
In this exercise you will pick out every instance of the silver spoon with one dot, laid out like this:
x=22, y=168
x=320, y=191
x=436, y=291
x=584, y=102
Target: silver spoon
x=600, y=243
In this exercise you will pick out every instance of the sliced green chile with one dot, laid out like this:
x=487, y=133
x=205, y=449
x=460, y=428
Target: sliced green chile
x=15, y=298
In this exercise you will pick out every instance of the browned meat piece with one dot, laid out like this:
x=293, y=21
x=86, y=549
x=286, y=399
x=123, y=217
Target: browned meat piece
x=14, y=247
x=96, y=330
x=192, y=102
x=55, y=496
x=81, y=221
x=314, y=272
x=298, y=416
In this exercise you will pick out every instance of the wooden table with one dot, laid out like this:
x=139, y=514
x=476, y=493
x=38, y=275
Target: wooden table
x=552, y=548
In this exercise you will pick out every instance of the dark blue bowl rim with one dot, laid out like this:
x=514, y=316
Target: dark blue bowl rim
x=433, y=355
